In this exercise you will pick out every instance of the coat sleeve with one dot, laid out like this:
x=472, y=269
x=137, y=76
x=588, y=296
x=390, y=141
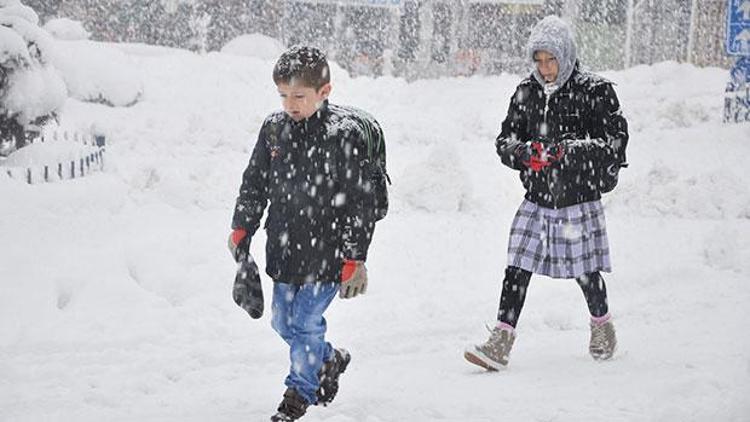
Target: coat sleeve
x=359, y=197
x=253, y=195
x=513, y=131
x=608, y=132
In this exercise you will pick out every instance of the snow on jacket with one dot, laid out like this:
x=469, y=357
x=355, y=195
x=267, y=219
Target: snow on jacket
x=584, y=113
x=315, y=175
x=579, y=108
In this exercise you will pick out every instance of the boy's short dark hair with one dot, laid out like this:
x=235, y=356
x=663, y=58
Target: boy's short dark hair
x=302, y=64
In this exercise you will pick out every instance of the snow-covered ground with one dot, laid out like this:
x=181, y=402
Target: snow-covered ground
x=115, y=289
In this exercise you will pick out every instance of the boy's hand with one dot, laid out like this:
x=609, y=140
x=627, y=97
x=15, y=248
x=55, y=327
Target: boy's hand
x=353, y=279
x=238, y=243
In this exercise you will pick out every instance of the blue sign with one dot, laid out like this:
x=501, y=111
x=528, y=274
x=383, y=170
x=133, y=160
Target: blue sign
x=737, y=93
x=738, y=27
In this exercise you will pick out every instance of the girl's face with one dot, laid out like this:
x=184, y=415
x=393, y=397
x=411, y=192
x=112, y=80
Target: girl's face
x=547, y=65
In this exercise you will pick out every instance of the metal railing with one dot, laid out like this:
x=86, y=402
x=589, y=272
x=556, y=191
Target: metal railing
x=60, y=169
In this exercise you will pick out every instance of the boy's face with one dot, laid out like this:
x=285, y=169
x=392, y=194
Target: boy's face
x=547, y=65
x=300, y=101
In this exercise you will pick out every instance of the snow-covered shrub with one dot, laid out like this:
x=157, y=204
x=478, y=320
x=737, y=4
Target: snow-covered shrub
x=31, y=91
x=255, y=45
x=18, y=9
x=269, y=49
x=99, y=73
x=66, y=29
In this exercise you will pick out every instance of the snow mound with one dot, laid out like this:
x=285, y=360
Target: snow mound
x=48, y=154
x=662, y=191
x=254, y=45
x=676, y=104
x=66, y=29
x=437, y=183
x=98, y=73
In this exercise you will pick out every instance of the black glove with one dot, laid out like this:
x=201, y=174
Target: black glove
x=247, y=291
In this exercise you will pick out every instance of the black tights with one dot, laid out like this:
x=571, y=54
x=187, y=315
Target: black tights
x=517, y=281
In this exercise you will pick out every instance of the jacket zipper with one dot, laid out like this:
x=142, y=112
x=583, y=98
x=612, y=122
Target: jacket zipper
x=546, y=126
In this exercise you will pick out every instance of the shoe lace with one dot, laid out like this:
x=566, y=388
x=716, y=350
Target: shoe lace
x=496, y=340
x=328, y=378
x=599, y=335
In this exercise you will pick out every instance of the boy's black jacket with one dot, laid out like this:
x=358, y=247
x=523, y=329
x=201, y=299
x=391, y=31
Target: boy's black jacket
x=585, y=112
x=316, y=176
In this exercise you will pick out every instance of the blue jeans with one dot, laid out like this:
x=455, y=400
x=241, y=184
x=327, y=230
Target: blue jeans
x=298, y=318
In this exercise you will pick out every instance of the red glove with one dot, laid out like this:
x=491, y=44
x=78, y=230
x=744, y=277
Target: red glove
x=543, y=156
x=536, y=162
x=238, y=243
x=353, y=279
x=347, y=271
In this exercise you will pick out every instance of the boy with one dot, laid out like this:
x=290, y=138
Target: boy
x=313, y=163
x=566, y=134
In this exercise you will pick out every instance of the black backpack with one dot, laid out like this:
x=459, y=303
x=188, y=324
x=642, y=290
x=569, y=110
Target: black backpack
x=609, y=176
x=376, y=155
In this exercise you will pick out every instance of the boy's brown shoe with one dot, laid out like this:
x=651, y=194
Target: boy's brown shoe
x=329, y=376
x=292, y=407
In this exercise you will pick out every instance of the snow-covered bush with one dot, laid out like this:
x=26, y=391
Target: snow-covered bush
x=66, y=29
x=18, y=9
x=255, y=45
x=99, y=73
x=31, y=91
x=267, y=48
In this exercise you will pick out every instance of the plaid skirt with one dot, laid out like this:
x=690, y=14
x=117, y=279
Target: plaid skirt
x=560, y=243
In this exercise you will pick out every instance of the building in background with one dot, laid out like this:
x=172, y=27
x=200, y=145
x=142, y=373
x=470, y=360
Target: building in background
x=417, y=38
